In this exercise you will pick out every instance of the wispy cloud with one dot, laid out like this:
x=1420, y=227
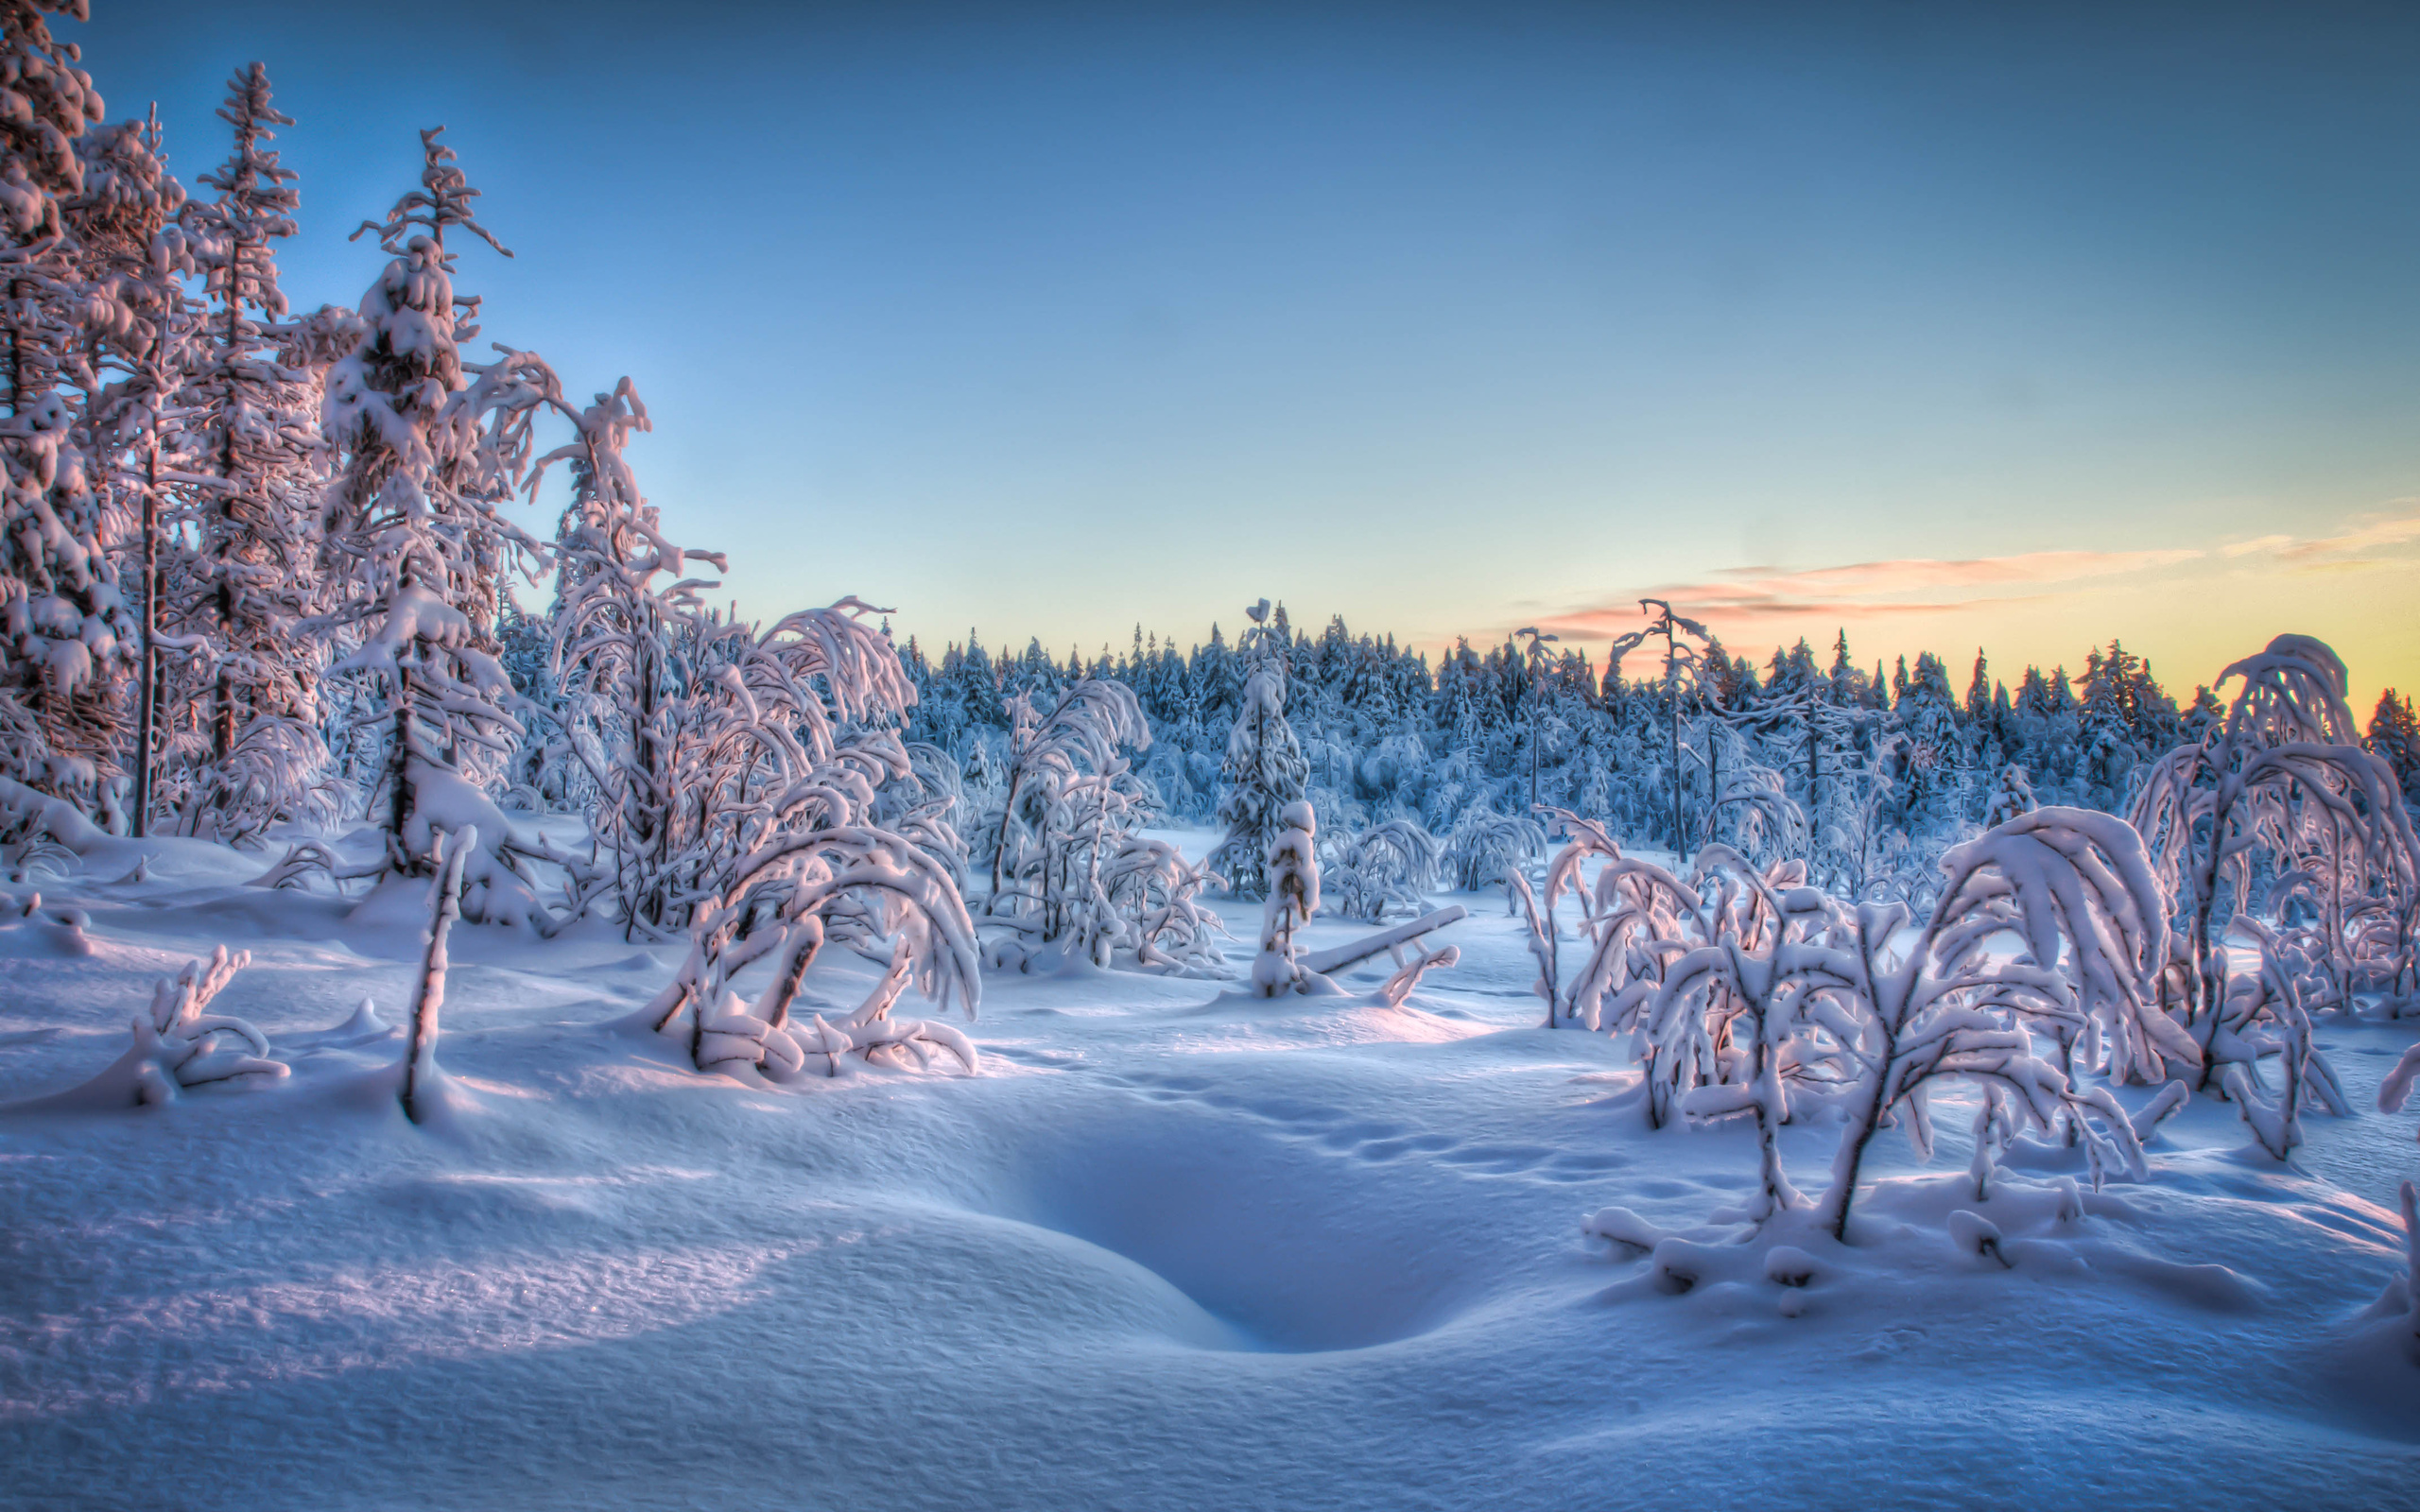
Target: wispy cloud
x=2245, y=548
x=1757, y=596
x=2390, y=530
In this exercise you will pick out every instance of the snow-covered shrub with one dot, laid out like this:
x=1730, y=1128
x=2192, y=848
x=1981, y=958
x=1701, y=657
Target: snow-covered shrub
x=1735, y=1026
x=1392, y=863
x=1755, y=813
x=2075, y=892
x=922, y=804
x=1634, y=917
x=2263, y=1014
x=1155, y=896
x=2013, y=796
x=778, y=756
x=781, y=904
x=1486, y=848
x=1070, y=804
x=177, y=1045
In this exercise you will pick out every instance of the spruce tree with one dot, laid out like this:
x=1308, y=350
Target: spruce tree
x=247, y=750
x=432, y=446
x=65, y=624
x=1264, y=771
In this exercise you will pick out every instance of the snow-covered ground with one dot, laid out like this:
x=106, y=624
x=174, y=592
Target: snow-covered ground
x=1171, y=1248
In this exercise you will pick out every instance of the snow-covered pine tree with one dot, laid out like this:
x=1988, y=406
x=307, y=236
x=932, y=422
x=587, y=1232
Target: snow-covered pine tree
x=417, y=548
x=2394, y=738
x=129, y=350
x=251, y=753
x=65, y=629
x=1264, y=771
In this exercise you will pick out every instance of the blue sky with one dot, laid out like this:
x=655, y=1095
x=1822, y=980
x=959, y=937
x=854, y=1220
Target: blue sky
x=2022, y=326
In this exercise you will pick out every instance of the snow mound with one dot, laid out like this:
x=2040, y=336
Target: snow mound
x=1923, y=1239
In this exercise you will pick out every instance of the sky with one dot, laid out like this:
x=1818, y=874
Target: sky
x=1952, y=326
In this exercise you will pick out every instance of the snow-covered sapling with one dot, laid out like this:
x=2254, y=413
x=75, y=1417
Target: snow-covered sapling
x=445, y=905
x=1293, y=869
x=2074, y=890
x=780, y=905
x=2281, y=788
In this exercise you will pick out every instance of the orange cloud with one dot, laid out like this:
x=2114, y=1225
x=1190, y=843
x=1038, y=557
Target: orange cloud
x=1742, y=596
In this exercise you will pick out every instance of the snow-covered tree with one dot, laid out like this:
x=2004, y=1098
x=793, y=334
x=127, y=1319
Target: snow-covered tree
x=2280, y=793
x=646, y=683
x=432, y=446
x=1487, y=848
x=1264, y=771
x=1726, y=1022
x=781, y=904
x=1056, y=745
x=1683, y=677
x=245, y=750
x=1292, y=870
x=779, y=744
x=2074, y=890
x=66, y=629
x=126, y=359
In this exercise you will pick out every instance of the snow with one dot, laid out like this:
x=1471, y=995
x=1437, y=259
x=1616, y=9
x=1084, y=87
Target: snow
x=1174, y=1248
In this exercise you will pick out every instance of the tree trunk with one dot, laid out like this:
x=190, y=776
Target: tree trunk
x=419, y=1061
x=148, y=693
